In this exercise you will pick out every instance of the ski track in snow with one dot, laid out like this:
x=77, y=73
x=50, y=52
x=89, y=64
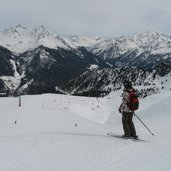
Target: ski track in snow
x=63, y=133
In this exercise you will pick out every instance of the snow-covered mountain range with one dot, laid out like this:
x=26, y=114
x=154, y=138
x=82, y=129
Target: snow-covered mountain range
x=152, y=42
x=19, y=39
x=36, y=60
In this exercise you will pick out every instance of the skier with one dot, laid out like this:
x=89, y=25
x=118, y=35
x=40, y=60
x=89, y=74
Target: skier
x=127, y=113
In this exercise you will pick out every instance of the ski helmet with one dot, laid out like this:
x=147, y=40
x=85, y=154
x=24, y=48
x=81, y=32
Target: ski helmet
x=127, y=84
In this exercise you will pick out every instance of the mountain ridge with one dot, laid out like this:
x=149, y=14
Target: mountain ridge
x=19, y=39
x=36, y=60
x=100, y=82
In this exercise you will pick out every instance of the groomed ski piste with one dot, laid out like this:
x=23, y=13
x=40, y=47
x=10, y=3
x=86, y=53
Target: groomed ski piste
x=51, y=132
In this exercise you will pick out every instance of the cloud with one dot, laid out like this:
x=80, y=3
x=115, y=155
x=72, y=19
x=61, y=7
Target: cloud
x=90, y=17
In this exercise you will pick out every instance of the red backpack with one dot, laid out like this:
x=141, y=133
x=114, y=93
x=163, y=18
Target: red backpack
x=133, y=101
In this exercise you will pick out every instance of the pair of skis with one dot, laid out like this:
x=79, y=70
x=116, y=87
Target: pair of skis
x=125, y=138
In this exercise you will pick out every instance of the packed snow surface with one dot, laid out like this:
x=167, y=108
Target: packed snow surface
x=53, y=132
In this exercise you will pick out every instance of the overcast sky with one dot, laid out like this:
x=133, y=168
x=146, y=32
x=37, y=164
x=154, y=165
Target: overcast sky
x=88, y=17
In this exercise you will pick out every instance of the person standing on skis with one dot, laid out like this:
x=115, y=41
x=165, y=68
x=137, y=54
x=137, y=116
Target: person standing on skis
x=127, y=113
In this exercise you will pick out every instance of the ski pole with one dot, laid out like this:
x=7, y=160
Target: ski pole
x=143, y=124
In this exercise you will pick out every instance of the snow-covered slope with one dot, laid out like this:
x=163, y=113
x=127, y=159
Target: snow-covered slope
x=57, y=132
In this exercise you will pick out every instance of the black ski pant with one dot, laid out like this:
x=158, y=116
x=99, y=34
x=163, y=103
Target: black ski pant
x=128, y=125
